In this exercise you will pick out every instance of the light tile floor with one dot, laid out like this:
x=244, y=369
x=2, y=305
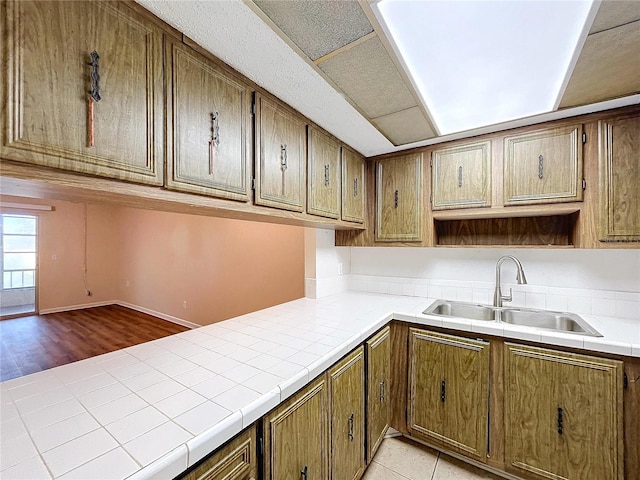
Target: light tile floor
x=399, y=458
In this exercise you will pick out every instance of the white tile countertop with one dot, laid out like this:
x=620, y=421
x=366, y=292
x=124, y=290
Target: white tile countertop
x=153, y=410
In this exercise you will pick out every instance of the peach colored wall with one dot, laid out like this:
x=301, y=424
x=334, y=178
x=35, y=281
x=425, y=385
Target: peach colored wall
x=61, y=233
x=222, y=268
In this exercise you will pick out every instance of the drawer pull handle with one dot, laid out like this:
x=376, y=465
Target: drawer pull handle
x=443, y=391
x=355, y=187
x=94, y=96
x=283, y=156
x=303, y=472
x=326, y=175
x=382, y=391
x=395, y=199
x=215, y=139
x=460, y=176
x=351, y=427
x=560, y=420
x=540, y=166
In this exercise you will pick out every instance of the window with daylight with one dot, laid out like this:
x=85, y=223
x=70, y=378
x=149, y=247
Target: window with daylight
x=18, y=248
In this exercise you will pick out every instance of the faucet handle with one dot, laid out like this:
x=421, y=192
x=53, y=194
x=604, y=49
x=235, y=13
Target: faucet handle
x=508, y=298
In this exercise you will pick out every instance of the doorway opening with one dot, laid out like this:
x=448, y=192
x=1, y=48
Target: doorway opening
x=18, y=262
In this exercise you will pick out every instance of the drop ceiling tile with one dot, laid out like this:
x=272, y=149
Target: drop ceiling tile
x=404, y=127
x=608, y=67
x=318, y=27
x=368, y=76
x=613, y=13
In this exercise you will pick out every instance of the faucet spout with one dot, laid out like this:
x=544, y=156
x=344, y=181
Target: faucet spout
x=521, y=279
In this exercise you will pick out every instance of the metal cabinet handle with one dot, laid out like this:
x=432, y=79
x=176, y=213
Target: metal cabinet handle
x=94, y=96
x=395, y=199
x=460, y=176
x=303, y=472
x=355, y=187
x=283, y=156
x=214, y=142
x=382, y=391
x=351, y=427
x=443, y=391
x=326, y=175
x=560, y=420
x=540, y=166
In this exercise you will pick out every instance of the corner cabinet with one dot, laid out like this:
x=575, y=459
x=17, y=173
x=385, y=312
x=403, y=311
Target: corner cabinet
x=82, y=89
x=208, y=126
x=543, y=166
x=563, y=414
x=448, y=391
x=296, y=436
x=280, y=164
x=353, y=188
x=324, y=175
x=378, y=351
x=461, y=176
x=619, y=159
x=399, y=199
x=347, y=419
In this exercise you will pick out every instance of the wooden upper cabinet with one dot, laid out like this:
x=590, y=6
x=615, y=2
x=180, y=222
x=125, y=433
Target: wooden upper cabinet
x=346, y=412
x=563, y=414
x=448, y=391
x=324, y=176
x=280, y=156
x=353, y=193
x=378, y=389
x=208, y=126
x=399, y=199
x=51, y=117
x=619, y=159
x=461, y=176
x=544, y=166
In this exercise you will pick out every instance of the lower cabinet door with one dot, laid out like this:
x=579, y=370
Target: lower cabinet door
x=346, y=387
x=234, y=461
x=378, y=374
x=295, y=436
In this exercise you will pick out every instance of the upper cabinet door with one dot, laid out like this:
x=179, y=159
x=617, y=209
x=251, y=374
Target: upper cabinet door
x=543, y=166
x=323, y=191
x=353, y=193
x=280, y=156
x=208, y=126
x=619, y=178
x=461, y=176
x=399, y=199
x=83, y=89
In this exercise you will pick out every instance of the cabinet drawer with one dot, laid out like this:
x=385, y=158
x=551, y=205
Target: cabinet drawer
x=234, y=461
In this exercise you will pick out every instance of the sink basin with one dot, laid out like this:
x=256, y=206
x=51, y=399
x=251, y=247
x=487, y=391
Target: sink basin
x=544, y=319
x=561, y=322
x=462, y=309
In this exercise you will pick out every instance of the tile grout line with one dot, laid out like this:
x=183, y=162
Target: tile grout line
x=435, y=467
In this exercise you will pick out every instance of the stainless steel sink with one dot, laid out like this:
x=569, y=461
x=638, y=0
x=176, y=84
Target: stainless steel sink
x=544, y=319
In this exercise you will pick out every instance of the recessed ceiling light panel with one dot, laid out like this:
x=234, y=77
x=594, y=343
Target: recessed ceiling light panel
x=478, y=63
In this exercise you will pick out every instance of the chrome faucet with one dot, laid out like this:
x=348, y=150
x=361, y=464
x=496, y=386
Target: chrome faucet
x=498, y=298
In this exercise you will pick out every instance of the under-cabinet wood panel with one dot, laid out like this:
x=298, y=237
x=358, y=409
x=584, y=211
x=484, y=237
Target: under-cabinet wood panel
x=353, y=186
x=378, y=389
x=619, y=165
x=208, y=126
x=346, y=413
x=280, y=156
x=543, y=166
x=296, y=436
x=63, y=108
x=399, y=199
x=324, y=175
x=461, y=176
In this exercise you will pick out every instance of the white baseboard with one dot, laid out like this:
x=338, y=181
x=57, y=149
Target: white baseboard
x=44, y=311
x=164, y=316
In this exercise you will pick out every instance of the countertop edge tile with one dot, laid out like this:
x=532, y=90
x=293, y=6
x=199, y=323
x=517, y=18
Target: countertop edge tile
x=168, y=466
x=260, y=406
x=205, y=443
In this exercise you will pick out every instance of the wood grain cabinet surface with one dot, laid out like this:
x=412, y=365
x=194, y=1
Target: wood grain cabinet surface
x=543, y=166
x=64, y=109
x=296, y=436
x=234, y=461
x=399, y=199
x=280, y=156
x=353, y=187
x=619, y=165
x=378, y=351
x=347, y=417
x=208, y=126
x=563, y=415
x=448, y=391
x=461, y=176
x=324, y=178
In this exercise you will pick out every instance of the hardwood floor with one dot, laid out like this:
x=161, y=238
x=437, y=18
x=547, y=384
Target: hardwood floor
x=38, y=342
